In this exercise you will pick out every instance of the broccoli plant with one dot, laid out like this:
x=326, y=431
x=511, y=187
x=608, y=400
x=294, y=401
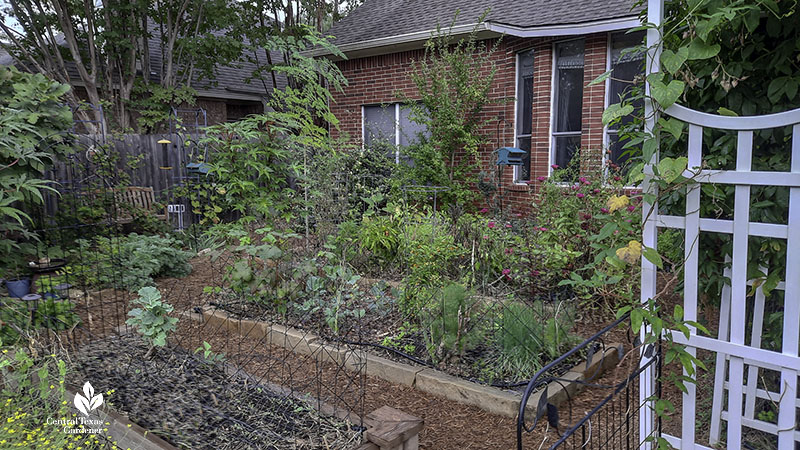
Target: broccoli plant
x=151, y=320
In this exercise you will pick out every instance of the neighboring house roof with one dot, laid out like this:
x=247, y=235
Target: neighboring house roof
x=230, y=82
x=387, y=24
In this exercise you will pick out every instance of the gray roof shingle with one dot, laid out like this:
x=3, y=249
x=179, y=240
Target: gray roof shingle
x=377, y=19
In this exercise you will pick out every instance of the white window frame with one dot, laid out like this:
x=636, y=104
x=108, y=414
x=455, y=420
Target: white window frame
x=553, y=133
x=517, y=169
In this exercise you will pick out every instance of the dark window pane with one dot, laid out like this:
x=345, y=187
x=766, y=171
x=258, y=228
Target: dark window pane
x=410, y=130
x=569, y=100
x=569, y=88
x=379, y=124
x=524, y=173
x=525, y=93
x=566, y=149
x=621, y=157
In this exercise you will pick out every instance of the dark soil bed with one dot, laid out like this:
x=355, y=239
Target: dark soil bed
x=195, y=404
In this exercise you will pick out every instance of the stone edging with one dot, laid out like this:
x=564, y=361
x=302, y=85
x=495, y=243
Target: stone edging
x=425, y=379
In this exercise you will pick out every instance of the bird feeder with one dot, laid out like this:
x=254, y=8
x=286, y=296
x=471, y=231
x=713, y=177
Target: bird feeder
x=165, y=153
x=510, y=156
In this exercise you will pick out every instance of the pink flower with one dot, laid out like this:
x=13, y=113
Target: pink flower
x=583, y=180
x=575, y=187
x=554, y=166
x=484, y=210
x=580, y=195
x=596, y=191
x=507, y=273
x=534, y=273
x=541, y=179
x=542, y=229
x=485, y=237
x=518, y=215
x=632, y=208
x=508, y=225
x=509, y=251
x=491, y=224
x=586, y=216
x=604, y=210
x=617, y=178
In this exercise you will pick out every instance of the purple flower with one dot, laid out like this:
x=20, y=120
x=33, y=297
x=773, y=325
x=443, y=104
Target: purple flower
x=508, y=225
x=484, y=210
x=582, y=180
x=604, y=210
x=596, y=191
x=554, y=166
x=491, y=224
x=632, y=208
x=534, y=273
x=541, y=179
x=485, y=237
x=507, y=273
x=542, y=229
x=509, y=251
x=580, y=195
x=575, y=187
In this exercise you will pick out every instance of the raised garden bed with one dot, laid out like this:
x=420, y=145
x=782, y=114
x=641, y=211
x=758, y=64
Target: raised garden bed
x=191, y=403
x=498, y=401
x=386, y=332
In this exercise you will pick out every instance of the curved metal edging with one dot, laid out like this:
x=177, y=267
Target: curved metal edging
x=533, y=384
x=741, y=123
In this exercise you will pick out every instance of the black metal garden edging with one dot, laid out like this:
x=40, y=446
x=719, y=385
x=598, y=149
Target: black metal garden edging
x=618, y=423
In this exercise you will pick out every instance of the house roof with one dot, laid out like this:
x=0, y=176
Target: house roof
x=387, y=23
x=230, y=82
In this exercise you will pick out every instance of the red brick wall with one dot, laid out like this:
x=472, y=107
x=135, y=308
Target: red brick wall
x=378, y=79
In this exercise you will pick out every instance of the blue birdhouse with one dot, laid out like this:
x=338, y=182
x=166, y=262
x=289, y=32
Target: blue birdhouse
x=510, y=156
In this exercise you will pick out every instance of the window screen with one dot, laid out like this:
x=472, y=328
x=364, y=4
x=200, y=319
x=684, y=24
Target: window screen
x=627, y=62
x=524, y=112
x=379, y=124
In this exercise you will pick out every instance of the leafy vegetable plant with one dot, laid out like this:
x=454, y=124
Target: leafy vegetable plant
x=152, y=320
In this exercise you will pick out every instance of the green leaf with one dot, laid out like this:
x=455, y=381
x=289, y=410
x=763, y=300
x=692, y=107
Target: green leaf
x=678, y=313
x=652, y=255
x=666, y=94
x=672, y=61
x=723, y=111
x=698, y=49
x=616, y=111
x=672, y=126
x=606, y=75
x=636, y=320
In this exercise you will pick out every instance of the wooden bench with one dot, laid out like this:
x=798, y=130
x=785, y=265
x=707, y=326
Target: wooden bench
x=138, y=197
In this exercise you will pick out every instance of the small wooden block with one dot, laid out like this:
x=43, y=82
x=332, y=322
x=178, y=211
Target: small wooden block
x=390, y=428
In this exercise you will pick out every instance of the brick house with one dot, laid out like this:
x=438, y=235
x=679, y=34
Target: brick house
x=548, y=53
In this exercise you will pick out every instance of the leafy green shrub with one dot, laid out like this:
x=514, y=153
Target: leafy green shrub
x=16, y=320
x=527, y=337
x=333, y=294
x=431, y=255
x=152, y=320
x=130, y=262
x=447, y=320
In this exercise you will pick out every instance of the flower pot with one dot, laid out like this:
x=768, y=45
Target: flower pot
x=18, y=288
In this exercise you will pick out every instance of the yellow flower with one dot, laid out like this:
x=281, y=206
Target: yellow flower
x=630, y=253
x=617, y=202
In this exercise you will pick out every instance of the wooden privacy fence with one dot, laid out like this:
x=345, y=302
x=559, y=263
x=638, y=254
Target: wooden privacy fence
x=141, y=148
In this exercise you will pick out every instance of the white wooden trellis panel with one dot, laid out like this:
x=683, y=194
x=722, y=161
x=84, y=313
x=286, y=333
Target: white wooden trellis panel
x=731, y=344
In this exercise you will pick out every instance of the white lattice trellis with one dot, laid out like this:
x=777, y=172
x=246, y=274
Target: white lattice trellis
x=731, y=346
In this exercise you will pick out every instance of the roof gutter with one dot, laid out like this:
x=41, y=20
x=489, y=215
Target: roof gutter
x=408, y=41
x=599, y=26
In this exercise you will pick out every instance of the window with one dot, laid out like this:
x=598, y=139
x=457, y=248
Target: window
x=626, y=64
x=390, y=125
x=567, y=101
x=524, y=117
